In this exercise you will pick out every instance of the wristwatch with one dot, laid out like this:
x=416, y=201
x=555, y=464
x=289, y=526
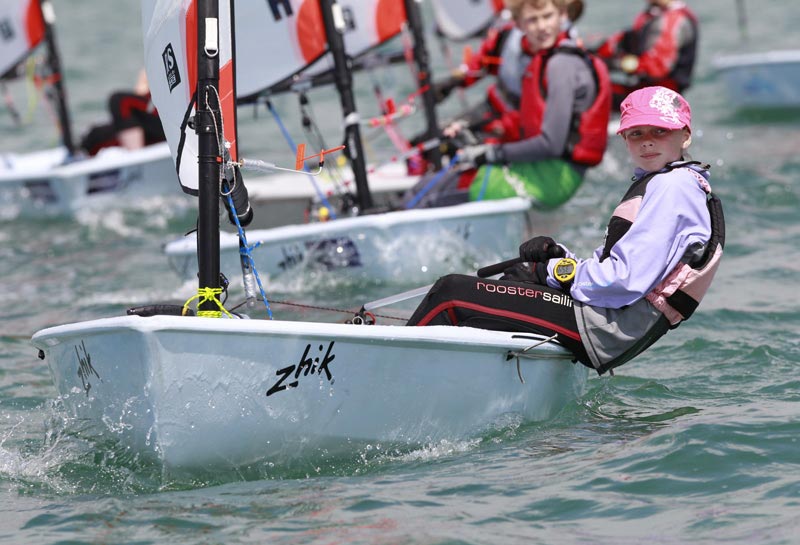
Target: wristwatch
x=564, y=271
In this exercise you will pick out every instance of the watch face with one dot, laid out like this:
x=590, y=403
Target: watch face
x=564, y=270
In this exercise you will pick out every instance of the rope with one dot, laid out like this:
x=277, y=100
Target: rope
x=247, y=252
x=311, y=128
x=293, y=146
x=329, y=309
x=435, y=180
x=207, y=295
x=485, y=182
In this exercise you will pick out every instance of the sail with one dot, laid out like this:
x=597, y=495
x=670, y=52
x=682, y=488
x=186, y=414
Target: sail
x=276, y=39
x=22, y=28
x=170, y=48
x=463, y=19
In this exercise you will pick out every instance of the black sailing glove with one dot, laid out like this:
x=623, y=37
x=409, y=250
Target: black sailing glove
x=540, y=249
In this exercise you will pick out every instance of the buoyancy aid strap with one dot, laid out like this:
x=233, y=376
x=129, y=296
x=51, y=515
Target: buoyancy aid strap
x=683, y=303
x=717, y=220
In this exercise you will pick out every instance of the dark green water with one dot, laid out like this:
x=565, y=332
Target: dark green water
x=694, y=442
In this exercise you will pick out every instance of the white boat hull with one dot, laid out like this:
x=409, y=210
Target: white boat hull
x=40, y=184
x=202, y=393
x=285, y=198
x=413, y=246
x=762, y=80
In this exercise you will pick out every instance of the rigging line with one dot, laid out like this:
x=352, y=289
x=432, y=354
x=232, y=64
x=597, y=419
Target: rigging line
x=448, y=56
x=246, y=250
x=39, y=91
x=396, y=298
x=386, y=120
x=435, y=180
x=413, y=151
x=310, y=127
x=407, y=39
x=11, y=107
x=217, y=130
x=329, y=309
x=485, y=182
x=293, y=147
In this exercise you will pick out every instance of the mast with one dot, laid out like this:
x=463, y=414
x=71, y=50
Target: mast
x=207, y=107
x=414, y=16
x=54, y=63
x=334, y=27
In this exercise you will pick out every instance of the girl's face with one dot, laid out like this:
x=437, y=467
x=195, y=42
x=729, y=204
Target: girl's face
x=651, y=147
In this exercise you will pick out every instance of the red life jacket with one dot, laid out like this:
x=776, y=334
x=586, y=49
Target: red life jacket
x=489, y=56
x=653, y=62
x=588, y=137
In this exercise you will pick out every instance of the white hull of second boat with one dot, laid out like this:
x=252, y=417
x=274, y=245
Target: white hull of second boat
x=285, y=198
x=205, y=393
x=412, y=246
x=40, y=184
x=762, y=80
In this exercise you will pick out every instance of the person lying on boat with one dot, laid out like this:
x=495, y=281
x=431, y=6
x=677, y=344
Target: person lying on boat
x=134, y=121
x=662, y=247
x=660, y=48
x=558, y=131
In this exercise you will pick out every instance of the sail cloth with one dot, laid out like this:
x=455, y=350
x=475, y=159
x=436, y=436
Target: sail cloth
x=22, y=28
x=170, y=52
x=461, y=20
x=275, y=39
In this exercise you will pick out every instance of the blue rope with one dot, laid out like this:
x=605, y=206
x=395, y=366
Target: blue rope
x=433, y=181
x=293, y=146
x=247, y=251
x=485, y=182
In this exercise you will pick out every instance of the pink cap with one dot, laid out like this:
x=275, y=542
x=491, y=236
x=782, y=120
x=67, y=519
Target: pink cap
x=656, y=106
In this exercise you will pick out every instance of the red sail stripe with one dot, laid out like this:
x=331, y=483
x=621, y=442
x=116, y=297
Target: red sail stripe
x=191, y=46
x=389, y=18
x=310, y=31
x=228, y=107
x=34, y=23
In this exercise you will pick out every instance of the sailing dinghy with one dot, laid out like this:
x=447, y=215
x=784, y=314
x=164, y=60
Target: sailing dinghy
x=203, y=392
x=383, y=247
x=766, y=80
x=59, y=182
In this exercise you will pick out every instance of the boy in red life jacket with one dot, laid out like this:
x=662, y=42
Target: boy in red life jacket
x=660, y=48
x=561, y=124
x=558, y=131
x=662, y=247
x=501, y=55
